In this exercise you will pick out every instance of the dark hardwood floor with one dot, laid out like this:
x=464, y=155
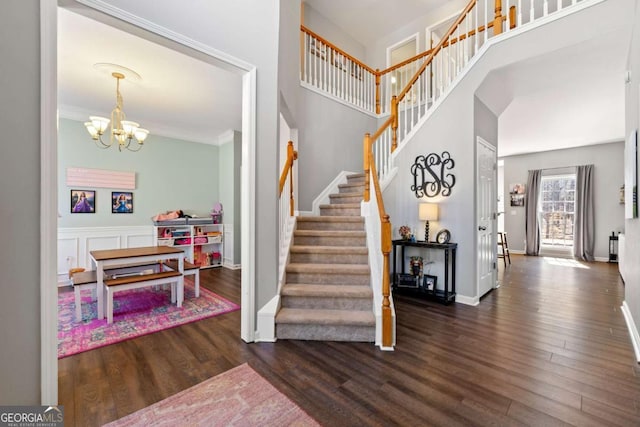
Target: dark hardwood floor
x=549, y=347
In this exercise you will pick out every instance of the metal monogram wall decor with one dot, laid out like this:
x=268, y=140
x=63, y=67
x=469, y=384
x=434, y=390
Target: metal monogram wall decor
x=430, y=176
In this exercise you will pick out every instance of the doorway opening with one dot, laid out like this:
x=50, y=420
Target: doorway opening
x=49, y=169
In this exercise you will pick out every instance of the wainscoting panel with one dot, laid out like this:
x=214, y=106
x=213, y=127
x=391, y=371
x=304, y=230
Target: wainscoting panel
x=135, y=241
x=228, y=245
x=68, y=253
x=75, y=243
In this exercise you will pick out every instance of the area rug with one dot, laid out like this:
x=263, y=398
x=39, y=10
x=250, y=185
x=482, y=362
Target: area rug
x=136, y=312
x=238, y=397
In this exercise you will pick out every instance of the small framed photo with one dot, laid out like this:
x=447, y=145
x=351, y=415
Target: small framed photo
x=121, y=202
x=83, y=201
x=429, y=283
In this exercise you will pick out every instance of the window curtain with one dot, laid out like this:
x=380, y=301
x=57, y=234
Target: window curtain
x=584, y=225
x=532, y=230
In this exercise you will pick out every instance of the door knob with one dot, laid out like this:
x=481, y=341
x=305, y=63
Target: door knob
x=482, y=228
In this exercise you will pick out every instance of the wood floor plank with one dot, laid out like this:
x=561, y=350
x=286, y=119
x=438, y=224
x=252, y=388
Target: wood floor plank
x=549, y=347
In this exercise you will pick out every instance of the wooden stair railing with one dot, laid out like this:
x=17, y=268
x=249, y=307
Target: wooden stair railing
x=292, y=156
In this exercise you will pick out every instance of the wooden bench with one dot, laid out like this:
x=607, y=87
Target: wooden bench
x=189, y=269
x=140, y=281
x=81, y=280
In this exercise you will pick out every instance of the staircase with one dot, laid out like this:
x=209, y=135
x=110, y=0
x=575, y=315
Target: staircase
x=327, y=294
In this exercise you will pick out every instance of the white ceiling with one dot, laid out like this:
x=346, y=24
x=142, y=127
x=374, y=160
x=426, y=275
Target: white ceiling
x=367, y=20
x=568, y=98
x=178, y=96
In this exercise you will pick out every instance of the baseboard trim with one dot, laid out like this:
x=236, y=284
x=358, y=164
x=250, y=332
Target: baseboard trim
x=462, y=299
x=633, y=331
x=232, y=266
x=305, y=213
x=516, y=251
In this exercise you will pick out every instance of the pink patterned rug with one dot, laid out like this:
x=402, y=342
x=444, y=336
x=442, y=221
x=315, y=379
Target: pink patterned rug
x=136, y=312
x=238, y=397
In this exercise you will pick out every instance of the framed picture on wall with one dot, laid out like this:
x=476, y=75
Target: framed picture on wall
x=516, y=193
x=121, y=202
x=83, y=201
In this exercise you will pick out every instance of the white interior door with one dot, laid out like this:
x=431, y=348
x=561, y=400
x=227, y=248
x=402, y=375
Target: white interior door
x=486, y=213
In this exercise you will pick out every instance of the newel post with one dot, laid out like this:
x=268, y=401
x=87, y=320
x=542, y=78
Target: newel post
x=387, y=330
x=497, y=22
x=377, y=91
x=394, y=123
x=367, y=165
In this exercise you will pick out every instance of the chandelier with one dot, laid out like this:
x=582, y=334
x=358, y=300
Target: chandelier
x=123, y=132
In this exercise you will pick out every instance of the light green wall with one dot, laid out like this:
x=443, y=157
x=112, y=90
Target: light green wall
x=170, y=174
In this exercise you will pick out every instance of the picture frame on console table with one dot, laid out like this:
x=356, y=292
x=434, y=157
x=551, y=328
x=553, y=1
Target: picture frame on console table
x=429, y=283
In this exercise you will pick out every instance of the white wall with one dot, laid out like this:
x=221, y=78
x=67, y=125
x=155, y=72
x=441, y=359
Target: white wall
x=320, y=25
x=20, y=207
x=608, y=177
x=632, y=226
x=330, y=141
x=376, y=55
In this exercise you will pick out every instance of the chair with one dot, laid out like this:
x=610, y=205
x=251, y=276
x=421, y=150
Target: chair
x=504, y=248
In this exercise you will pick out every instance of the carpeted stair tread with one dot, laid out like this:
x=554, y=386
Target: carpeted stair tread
x=335, y=218
x=315, y=290
x=351, y=185
x=356, y=176
x=328, y=268
x=347, y=250
x=340, y=195
x=325, y=317
x=330, y=233
x=341, y=206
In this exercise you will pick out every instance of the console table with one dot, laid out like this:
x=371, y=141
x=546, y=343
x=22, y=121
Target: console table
x=445, y=295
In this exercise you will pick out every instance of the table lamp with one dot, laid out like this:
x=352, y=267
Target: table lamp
x=427, y=212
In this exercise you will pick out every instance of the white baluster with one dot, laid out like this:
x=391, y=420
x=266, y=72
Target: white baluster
x=519, y=12
x=558, y=5
x=315, y=62
x=545, y=8
x=486, y=20
x=476, y=27
x=531, y=12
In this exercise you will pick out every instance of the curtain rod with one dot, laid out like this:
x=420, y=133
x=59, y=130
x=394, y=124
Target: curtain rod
x=562, y=167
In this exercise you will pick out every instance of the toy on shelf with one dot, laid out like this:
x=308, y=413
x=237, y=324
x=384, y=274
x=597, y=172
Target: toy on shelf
x=216, y=213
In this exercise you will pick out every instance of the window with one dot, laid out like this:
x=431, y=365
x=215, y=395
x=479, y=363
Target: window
x=557, y=208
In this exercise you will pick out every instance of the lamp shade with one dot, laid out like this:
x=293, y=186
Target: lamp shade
x=428, y=212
